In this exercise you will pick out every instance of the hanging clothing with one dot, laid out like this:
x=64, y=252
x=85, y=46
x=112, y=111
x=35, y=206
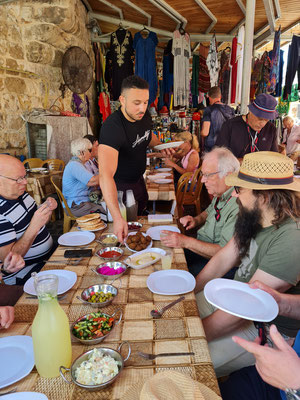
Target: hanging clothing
x=204, y=79
x=233, y=66
x=274, y=74
x=224, y=76
x=293, y=65
x=104, y=105
x=260, y=75
x=181, y=50
x=145, y=64
x=195, y=75
x=119, y=60
x=278, y=89
x=239, y=60
x=212, y=62
x=80, y=105
x=168, y=61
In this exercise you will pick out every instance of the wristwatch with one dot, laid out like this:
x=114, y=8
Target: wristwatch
x=292, y=394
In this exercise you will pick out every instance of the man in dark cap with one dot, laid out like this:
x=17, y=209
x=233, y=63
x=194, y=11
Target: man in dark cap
x=252, y=132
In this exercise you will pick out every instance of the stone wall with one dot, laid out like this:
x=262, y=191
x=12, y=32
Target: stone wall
x=34, y=35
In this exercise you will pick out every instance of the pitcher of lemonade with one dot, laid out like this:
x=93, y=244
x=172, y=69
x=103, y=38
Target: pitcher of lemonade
x=50, y=329
x=122, y=205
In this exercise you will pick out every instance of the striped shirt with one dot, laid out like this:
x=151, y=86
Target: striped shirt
x=15, y=217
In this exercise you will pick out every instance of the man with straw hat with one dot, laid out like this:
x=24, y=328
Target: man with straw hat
x=265, y=246
x=252, y=132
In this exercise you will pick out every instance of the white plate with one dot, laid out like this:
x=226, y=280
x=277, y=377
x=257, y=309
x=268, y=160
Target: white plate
x=237, y=298
x=171, y=282
x=162, y=181
x=24, y=396
x=163, y=169
x=154, y=177
x=76, y=238
x=94, y=230
x=66, y=280
x=168, y=145
x=134, y=233
x=37, y=170
x=154, y=231
x=160, y=252
x=17, y=359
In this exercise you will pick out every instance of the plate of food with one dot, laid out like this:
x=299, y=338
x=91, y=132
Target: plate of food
x=91, y=222
x=145, y=258
x=137, y=241
x=38, y=170
x=168, y=145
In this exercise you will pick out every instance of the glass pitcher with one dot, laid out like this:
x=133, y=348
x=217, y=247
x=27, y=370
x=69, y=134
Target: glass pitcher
x=122, y=205
x=50, y=329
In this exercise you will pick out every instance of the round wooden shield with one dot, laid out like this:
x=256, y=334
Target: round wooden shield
x=77, y=70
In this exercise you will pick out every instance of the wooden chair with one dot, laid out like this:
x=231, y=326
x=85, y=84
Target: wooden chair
x=33, y=163
x=54, y=164
x=68, y=216
x=182, y=187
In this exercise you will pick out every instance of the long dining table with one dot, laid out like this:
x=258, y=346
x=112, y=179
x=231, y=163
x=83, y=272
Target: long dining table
x=160, y=191
x=179, y=330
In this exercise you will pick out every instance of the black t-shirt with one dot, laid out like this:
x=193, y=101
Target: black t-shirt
x=235, y=136
x=131, y=139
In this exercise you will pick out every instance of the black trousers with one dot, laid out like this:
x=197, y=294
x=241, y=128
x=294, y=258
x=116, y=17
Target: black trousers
x=293, y=65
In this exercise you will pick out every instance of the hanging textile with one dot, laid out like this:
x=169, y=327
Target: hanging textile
x=98, y=68
x=168, y=61
x=239, y=60
x=80, y=105
x=195, y=75
x=204, y=79
x=293, y=65
x=104, y=105
x=145, y=63
x=181, y=50
x=283, y=106
x=212, y=62
x=233, y=66
x=119, y=60
x=278, y=89
x=224, y=75
x=274, y=74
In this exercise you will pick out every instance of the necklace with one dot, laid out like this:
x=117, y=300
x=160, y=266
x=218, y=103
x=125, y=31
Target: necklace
x=253, y=139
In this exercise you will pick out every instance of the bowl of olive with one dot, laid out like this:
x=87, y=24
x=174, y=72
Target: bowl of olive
x=99, y=295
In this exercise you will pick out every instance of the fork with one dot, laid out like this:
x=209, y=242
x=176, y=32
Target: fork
x=153, y=356
x=10, y=391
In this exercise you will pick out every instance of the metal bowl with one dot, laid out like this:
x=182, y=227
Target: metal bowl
x=105, y=288
x=108, y=235
x=116, y=354
x=134, y=226
x=105, y=249
x=113, y=265
x=97, y=340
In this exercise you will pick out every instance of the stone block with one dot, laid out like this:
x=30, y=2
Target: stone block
x=27, y=13
x=3, y=29
x=54, y=15
x=14, y=33
x=15, y=85
x=57, y=61
x=15, y=50
x=14, y=123
x=48, y=33
x=39, y=53
x=12, y=64
x=1, y=85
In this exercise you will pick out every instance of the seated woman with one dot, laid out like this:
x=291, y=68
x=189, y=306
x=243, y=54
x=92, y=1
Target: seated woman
x=92, y=164
x=187, y=153
x=77, y=180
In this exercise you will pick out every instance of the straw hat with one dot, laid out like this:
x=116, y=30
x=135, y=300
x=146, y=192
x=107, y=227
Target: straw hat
x=265, y=170
x=170, y=385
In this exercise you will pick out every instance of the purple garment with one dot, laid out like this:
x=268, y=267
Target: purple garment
x=274, y=73
x=80, y=106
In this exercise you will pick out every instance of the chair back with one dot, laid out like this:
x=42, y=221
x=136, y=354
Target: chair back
x=56, y=181
x=54, y=164
x=33, y=163
x=182, y=188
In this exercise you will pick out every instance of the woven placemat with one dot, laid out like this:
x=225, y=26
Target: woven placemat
x=54, y=388
x=169, y=329
x=205, y=373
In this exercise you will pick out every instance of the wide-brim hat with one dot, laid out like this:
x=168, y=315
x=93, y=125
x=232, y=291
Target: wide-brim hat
x=169, y=385
x=264, y=106
x=264, y=170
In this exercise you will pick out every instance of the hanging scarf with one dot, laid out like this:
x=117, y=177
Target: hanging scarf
x=274, y=73
x=212, y=62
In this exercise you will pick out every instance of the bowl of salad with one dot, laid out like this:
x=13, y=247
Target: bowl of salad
x=97, y=368
x=99, y=295
x=94, y=327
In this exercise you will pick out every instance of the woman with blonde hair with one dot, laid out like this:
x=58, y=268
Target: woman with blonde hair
x=187, y=152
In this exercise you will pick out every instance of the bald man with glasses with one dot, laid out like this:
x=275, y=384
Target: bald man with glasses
x=22, y=224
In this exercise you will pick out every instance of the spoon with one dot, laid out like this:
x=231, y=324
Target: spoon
x=158, y=314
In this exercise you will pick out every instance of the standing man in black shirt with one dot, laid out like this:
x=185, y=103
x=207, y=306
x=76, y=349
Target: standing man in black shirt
x=252, y=132
x=123, y=141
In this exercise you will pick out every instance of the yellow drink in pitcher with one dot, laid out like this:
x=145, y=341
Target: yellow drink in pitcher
x=51, y=337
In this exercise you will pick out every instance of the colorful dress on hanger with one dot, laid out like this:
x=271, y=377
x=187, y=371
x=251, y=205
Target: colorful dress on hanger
x=233, y=65
x=145, y=63
x=168, y=72
x=119, y=60
x=104, y=105
x=224, y=76
x=239, y=59
x=204, y=79
x=212, y=62
x=274, y=57
x=181, y=50
x=80, y=105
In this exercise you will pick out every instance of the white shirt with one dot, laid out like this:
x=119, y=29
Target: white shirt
x=291, y=141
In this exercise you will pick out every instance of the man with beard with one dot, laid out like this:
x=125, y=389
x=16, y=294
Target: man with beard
x=266, y=248
x=123, y=141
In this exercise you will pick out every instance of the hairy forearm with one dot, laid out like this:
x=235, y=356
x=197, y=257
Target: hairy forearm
x=289, y=305
x=200, y=219
x=221, y=324
x=204, y=249
x=22, y=245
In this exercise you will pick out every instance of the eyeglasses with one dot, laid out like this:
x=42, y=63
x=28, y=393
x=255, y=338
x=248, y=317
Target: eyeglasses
x=237, y=189
x=18, y=180
x=207, y=176
x=90, y=150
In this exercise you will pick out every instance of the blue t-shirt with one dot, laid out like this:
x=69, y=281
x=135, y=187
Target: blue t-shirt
x=296, y=347
x=74, y=182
